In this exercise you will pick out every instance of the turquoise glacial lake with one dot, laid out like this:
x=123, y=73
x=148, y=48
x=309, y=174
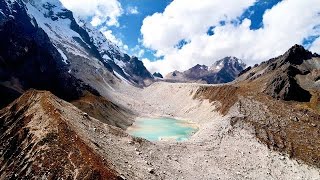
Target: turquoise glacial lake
x=157, y=129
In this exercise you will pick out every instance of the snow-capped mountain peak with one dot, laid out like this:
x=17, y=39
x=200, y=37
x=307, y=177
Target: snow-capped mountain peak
x=78, y=42
x=222, y=71
x=228, y=62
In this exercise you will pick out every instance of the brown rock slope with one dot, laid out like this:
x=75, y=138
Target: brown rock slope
x=291, y=76
x=39, y=139
x=284, y=114
x=104, y=110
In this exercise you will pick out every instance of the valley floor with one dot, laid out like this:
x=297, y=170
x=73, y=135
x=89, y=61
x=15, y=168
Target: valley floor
x=217, y=151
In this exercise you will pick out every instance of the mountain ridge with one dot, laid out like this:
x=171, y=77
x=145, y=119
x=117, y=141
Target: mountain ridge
x=46, y=41
x=294, y=72
x=40, y=141
x=222, y=71
x=265, y=123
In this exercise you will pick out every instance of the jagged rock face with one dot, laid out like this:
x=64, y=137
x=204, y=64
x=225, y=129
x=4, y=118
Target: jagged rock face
x=286, y=87
x=229, y=68
x=130, y=68
x=289, y=76
x=158, y=75
x=28, y=56
x=75, y=46
x=137, y=70
x=44, y=47
x=222, y=71
x=296, y=55
x=39, y=141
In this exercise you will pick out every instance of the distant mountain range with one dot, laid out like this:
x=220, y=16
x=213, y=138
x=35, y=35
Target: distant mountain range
x=222, y=71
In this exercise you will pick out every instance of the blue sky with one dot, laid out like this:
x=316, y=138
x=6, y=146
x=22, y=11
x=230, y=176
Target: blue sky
x=172, y=35
x=129, y=30
x=130, y=24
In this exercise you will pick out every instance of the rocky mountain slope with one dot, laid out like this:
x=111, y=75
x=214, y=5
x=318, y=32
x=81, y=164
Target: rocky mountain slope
x=291, y=76
x=40, y=139
x=242, y=135
x=40, y=48
x=290, y=126
x=42, y=39
x=222, y=71
x=105, y=110
x=28, y=59
x=158, y=75
x=264, y=125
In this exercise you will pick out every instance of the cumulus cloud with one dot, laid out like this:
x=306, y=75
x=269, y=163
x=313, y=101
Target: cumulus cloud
x=101, y=11
x=315, y=47
x=184, y=19
x=132, y=10
x=109, y=35
x=137, y=51
x=286, y=24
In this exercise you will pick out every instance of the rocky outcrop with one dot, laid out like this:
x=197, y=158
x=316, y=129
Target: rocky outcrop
x=158, y=75
x=137, y=71
x=286, y=87
x=295, y=55
x=287, y=77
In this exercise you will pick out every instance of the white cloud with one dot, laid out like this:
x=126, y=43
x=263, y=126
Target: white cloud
x=132, y=10
x=101, y=10
x=151, y=66
x=137, y=51
x=184, y=19
x=315, y=47
x=140, y=53
x=125, y=47
x=286, y=24
x=109, y=35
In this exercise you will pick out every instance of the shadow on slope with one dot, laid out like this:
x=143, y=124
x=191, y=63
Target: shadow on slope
x=104, y=110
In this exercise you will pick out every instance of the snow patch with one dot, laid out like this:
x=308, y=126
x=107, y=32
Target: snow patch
x=120, y=63
x=64, y=57
x=122, y=78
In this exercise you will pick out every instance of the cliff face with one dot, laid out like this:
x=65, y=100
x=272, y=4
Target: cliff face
x=28, y=59
x=291, y=76
x=44, y=47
